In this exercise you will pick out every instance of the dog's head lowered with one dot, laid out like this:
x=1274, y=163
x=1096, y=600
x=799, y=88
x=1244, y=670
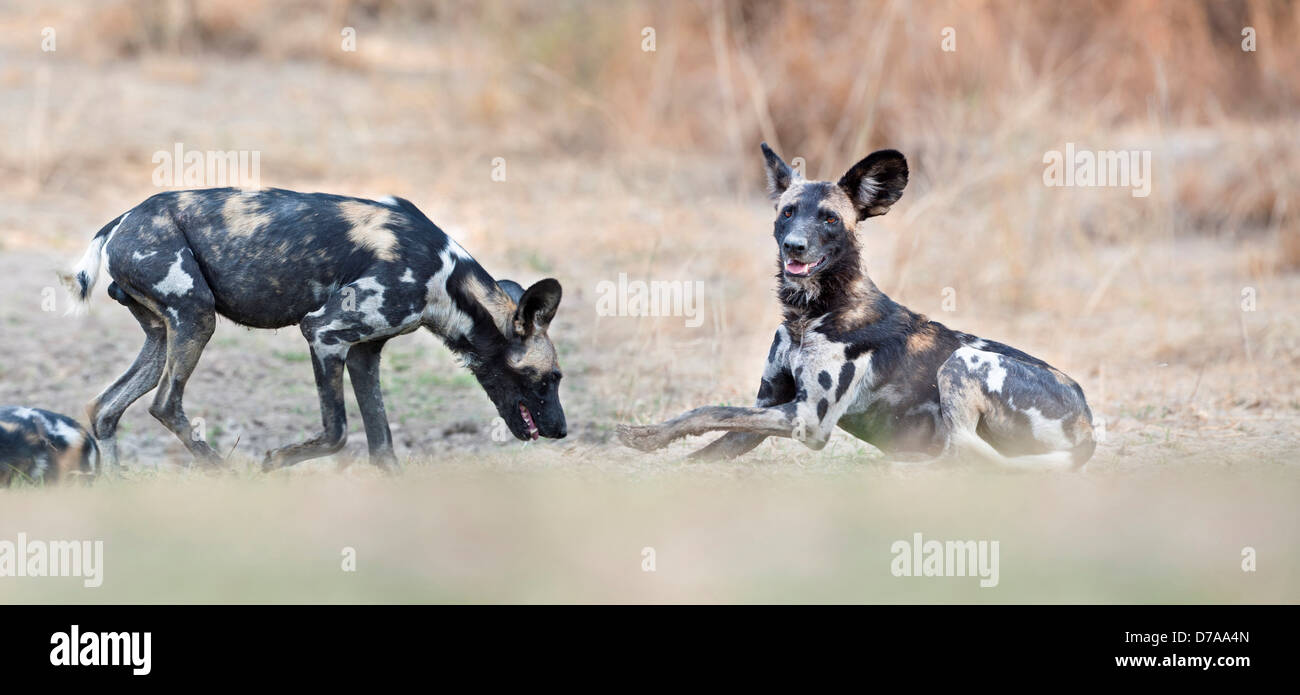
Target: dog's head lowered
x=523, y=379
x=816, y=220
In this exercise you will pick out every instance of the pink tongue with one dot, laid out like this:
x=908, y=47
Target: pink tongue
x=796, y=267
x=528, y=420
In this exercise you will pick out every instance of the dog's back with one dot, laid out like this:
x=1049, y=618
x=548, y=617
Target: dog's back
x=268, y=256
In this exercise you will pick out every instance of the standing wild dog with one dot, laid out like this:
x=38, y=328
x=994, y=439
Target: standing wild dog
x=848, y=355
x=350, y=273
x=37, y=445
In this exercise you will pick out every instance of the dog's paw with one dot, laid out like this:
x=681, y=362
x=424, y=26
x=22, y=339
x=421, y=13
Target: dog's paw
x=641, y=437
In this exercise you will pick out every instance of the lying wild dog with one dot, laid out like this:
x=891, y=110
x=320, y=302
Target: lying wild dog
x=847, y=355
x=350, y=273
x=37, y=445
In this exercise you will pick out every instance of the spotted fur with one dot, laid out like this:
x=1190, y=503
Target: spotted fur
x=350, y=273
x=847, y=355
x=38, y=446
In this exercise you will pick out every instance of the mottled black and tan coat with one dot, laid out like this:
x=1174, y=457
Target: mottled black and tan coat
x=38, y=446
x=350, y=273
x=846, y=355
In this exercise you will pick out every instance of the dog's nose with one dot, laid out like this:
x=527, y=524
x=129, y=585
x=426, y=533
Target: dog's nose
x=795, y=245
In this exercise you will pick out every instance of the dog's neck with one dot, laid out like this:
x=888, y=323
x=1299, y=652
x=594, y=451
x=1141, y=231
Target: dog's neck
x=478, y=316
x=840, y=298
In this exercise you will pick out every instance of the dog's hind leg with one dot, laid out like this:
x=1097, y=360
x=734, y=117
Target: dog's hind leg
x=106, y=410
x=187, y=307
x=1011, y=413
x=363, y=369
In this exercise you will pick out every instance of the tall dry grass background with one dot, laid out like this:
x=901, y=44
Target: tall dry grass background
x=622, y=160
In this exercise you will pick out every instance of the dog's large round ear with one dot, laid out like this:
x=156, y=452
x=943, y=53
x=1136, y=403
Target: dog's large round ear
x=512, y=289
x=537, y=307
x=779, y=174
x=876, y=183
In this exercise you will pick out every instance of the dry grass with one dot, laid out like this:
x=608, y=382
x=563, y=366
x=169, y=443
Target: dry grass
x=621, y=160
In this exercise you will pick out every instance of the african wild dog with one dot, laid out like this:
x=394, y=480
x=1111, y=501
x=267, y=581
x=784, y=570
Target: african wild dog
x=37, y=445
x=848, y=355
x=351, y=273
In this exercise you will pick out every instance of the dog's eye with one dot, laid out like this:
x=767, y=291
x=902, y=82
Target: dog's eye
x=831, y=220
x=788, y=212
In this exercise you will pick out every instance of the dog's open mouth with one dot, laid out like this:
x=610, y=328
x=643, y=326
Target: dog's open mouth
x=797, y=268
x=528, y=420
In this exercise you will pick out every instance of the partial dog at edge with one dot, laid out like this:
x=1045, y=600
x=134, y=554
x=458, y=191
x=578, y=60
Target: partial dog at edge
x=41, y=447
x=848, y=355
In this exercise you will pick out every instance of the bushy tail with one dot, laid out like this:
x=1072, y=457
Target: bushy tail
x=80, y=281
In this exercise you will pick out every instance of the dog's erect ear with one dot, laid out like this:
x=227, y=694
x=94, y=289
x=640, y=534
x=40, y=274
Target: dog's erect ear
x=779, y=174
x=512, y=289
x=537, y=307
x=876, y=182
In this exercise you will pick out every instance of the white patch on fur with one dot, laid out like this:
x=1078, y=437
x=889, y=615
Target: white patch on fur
x=408, y=276
x=141, y=256
x=975, y=359
x=371, y=307
x=177, y=282
x=113, y=232
x=816, y=354
x=441, y=313
x=58, y=431
x=389, y=201
x=1046, y=430
x=862, y=391
x=965, y=442
x=68, y=435
x=457, y=250
x=782, y=340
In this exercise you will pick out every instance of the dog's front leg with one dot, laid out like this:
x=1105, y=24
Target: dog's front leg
x=776, y=388
x=820, y=400
x=334, y=420
x=780, y=421
x=363, y=369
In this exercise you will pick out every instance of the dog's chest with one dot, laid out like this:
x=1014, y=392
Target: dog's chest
x=823, y=370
